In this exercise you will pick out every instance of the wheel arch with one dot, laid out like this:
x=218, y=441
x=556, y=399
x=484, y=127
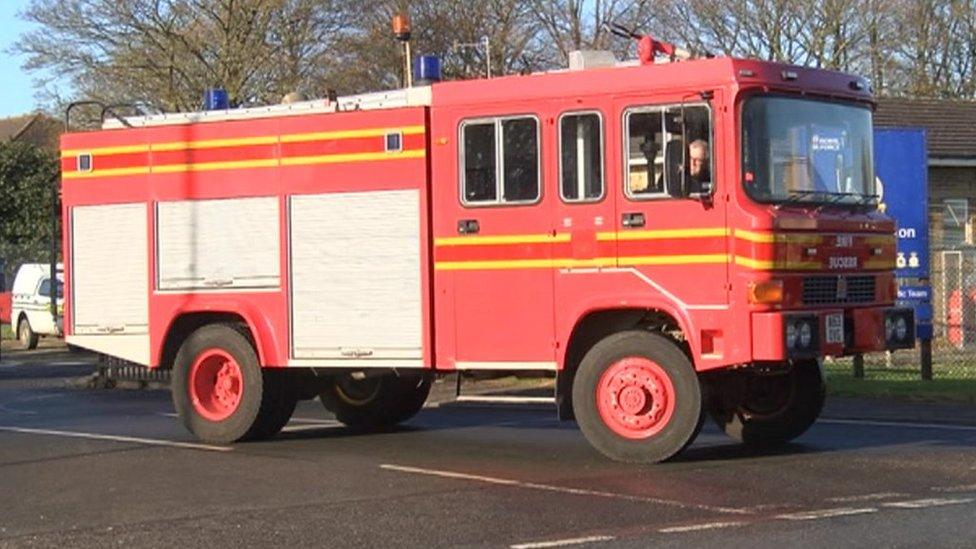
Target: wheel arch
x=598, y=323
x=188, y=321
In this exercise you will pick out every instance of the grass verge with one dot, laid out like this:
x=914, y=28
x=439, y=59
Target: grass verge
x=6, y=332
x=903, y=384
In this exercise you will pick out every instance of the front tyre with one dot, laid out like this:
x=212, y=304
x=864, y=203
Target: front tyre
x=375, y=402
x=770, y=410
x=636, y=397
x=220, y=391
x=26, y=335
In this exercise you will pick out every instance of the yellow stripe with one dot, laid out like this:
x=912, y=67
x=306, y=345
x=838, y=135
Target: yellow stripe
x=121, y=149
x=664, y=234
x=769, y=265
x=352, y=157
x=568, y=263
x=880, y=240
x=350, y=134
x=245, y=164
x=245, y=141
x=211, y=166
x=781, y=238
x=114, y=172
x=214, y=143
x=886, y=264
x=475, y=240
x=751, y=236
x=674, y=260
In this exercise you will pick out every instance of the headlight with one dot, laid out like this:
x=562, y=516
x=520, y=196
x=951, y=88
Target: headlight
x=901, y=328
x=790, y=335
x=889, y=328
x=806, y=335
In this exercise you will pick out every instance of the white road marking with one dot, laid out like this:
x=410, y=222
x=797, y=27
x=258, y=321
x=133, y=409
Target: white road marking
x=115, y=438
x=561, y=542
x=867, y=497
x=559, y=489
x=926, y=503
x=827, y=513
x=900, y=424
x=699, y=527
x=311, y=427
x=957, y=488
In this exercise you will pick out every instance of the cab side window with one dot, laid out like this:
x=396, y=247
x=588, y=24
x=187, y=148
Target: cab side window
x=581, y=157
x=500, y=161
x=669, y=151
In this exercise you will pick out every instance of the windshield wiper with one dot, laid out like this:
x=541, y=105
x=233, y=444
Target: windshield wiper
x=797, y=196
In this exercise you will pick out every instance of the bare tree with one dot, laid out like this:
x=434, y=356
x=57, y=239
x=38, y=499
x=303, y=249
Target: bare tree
x=166, y=52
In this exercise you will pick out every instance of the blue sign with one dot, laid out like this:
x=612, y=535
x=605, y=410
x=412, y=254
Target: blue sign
x=919, y=298
x=900, y=161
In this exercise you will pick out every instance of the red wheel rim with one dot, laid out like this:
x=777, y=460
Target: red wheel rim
x=635, y=398
x=216, y=385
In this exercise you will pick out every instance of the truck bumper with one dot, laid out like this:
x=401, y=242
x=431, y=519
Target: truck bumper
x=831, y=332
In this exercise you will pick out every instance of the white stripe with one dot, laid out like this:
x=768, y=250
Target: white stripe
x=561, y=542
x=925, y=503
x=500, y=399
x=698, y=527
x=900, y=424
x=315, y=427
x=867, y=497
x=114, y=438
x=827, y=513
x=559, y=489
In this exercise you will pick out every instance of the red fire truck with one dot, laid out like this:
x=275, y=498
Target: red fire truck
x=672, y=240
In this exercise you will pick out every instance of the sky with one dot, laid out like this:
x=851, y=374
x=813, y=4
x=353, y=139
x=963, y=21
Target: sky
x=16, y=86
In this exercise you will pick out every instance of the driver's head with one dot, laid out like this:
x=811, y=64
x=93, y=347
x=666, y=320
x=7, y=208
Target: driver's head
x=697, y=156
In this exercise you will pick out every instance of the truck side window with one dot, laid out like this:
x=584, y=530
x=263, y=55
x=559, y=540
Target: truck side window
x=45, y=288
x=581, y=157
x=645, y=153
x=669, y=151
x=501, y=161
x=479, y=163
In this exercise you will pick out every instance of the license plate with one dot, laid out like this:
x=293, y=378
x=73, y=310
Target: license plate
x=835, y=328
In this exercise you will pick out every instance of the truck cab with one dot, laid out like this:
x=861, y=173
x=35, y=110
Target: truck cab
x=31, y=315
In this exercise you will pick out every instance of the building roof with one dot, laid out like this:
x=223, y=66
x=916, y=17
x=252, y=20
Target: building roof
x=950, y=125
x=36, y=128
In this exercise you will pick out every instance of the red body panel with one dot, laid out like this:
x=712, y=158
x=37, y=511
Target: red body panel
x=6, y=304
x=513, y=293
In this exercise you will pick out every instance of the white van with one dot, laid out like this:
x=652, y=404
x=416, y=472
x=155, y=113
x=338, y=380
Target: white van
x=31, y=311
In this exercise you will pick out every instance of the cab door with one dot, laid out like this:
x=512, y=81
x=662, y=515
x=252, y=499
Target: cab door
x=671, y=227
x=493, y=244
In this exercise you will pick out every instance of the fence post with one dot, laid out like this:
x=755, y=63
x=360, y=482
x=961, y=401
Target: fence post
x=859, y=366
x=925, y=356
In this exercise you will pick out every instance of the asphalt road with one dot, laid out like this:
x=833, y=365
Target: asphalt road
x=113, y=467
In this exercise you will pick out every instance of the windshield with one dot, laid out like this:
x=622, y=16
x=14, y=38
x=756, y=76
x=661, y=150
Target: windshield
x=802, y=150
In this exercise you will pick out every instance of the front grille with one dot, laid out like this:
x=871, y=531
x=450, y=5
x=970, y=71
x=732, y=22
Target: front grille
x=822, y=290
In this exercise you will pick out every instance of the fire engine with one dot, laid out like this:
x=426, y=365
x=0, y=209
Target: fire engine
x=672, y=239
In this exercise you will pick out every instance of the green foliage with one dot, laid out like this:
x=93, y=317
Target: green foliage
x=26, y=176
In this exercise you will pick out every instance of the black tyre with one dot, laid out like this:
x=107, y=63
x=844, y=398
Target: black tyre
x=637, y=398
x=769, y=410
x=376, y=402
x=26, y=335
x=220, y=391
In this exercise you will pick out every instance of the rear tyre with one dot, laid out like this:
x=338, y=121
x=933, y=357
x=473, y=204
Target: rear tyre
x=770, y=410
x=374, y=403
x=26, y=335
x=636, y=397
x=220, y=391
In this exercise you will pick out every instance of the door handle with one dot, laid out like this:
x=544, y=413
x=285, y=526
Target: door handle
x=468, y=226
x=633, y=219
